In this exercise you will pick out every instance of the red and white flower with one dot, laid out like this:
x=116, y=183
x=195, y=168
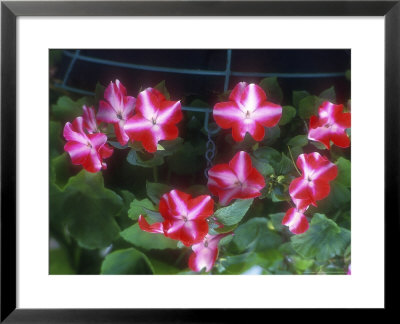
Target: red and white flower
x=154, y=120
x=296, y=221
x=205, y=253
x=317, y=172
x=330, y=126
x=247, y=111
x=89, y=119
x=185, y=218
x=89, y=150
x=236, y=180
x=117, y=109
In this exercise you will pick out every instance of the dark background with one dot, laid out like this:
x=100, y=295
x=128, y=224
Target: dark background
x=85, y=74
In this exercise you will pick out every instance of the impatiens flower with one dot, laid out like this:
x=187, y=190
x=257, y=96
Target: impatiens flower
x=349, y=270
x=205, y=253
x=117, y=109
x=89, y=150
x=185, y=218
x=89, y=119
x=331, y=125
x=236, y=180
x=247, y=111
x=154, y=120
x=313, y=185
x=296, y=221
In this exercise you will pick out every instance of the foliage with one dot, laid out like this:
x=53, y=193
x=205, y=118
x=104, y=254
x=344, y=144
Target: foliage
x=94, y=216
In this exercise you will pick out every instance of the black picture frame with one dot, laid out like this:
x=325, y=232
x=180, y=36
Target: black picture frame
x=9, y=13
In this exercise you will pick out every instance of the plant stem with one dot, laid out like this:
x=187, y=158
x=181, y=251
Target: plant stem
x=155, y=174
x=291, y=157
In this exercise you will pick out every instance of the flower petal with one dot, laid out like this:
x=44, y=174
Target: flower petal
x=204, y=258
x=193, y=231
x=296, y=221
x=148, y=103
x=200, y=207
x=340, y=139
x=97, y=140
x=176, y=203
x=255, y=129
x=169, y=112
x=168, y=132
x=226, y=195
x=237, y=91
x=255, y=180
x=299, y=189
x=119, y=129
x=320, y=134
x=106, y=151
x=114, y=94
x=322, y=168
x=241, y=165
x=320, y=189
x=226, y=114
x=129, y=106
x=267, y=114
x=252, y=96
x=93, y=162
x=154, y=228
x=89, y=119
x=107, y=113
x=222, y=175
x=77, y=151
x=74, y=131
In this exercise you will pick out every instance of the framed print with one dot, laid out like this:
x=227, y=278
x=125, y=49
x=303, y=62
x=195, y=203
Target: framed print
x=161, y=159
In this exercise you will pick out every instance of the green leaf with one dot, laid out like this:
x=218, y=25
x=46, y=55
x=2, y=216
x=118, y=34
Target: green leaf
x=262, y=167
x=60, y=170
x=225, y=229
x=255, y=234
x=272, y=89
x=268, y=155
x=308, y=106
x=276, y=220
x=55, y=56
x=163, y=89
x=98, y=93
x=226, y=240
x=56, y=143
x=148, y=241
x=318, y=145
x=134, y=158
x=117, y=145
x=67, y=109
x=59, y=263
x=299, y=140
x=271, y=135
x=329, y=94
x=136, y=207
x=234, y=213
x=185, y=161
x=156, y=190
x=288, y=113
x=323, y=240
x=339, y=195
x=128, y=261
x=297, y=96
x=302, y=264
x=163, y=268
x=344, y=172
x=89, y=209
x=348, y=74
x=285, y=165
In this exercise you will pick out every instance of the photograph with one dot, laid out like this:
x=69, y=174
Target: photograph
x=199, y=161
